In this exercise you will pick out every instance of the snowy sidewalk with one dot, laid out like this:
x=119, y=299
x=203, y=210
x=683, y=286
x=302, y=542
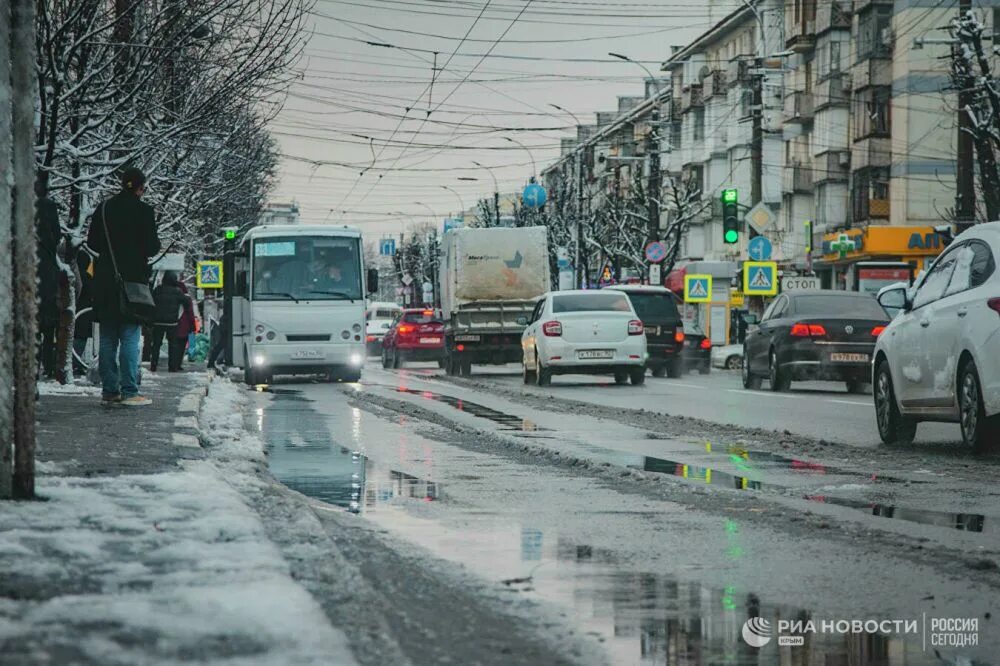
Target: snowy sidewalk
x=145, y=551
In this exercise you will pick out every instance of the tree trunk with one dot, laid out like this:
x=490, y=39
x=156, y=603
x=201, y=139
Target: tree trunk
x=23, y=243
x=6, y=291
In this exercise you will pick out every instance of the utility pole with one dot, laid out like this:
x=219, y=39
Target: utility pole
x=6, y=268
x=653, y=188
x=757, y=136
x=581, y=272
x=965, y=194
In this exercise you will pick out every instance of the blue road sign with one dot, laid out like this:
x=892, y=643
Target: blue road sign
x=387, y=248
x=453, y=223
x=760, y=278
x=656, y=252
x=759, y=248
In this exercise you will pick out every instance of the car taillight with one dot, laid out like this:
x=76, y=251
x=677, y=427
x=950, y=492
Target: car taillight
x=877, y=331
x=635, y=327
x=808, y=331
x=552, y=329
x=428, y=313
x=994, y=304
x=679, y=336
x=405, y=329
x=705, y=343
x=369, y=338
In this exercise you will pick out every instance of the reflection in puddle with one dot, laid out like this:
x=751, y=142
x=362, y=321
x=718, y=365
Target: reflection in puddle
x=509, y=421
x=969, y=522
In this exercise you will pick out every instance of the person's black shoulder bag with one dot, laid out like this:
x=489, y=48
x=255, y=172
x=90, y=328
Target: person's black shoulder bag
x=134, y=298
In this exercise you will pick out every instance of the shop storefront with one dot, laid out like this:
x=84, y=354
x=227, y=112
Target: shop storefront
x=868, y=258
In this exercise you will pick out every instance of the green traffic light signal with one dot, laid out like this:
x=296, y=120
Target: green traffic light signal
x=230, y=234
x=732, y=236
x=729, y=196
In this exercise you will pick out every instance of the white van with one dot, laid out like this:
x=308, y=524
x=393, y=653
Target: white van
x=299, y=305
x=378, y=320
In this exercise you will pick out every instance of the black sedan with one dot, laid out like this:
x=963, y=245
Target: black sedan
x=814, y=335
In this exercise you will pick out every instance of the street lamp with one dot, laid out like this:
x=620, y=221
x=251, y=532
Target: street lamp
x=653, y=151
x=534, y=168
x=461, y=210
x=496, y=192
x=579, y=196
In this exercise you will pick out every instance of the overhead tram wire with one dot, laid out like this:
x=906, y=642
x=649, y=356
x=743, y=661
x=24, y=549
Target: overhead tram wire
x=420, y=96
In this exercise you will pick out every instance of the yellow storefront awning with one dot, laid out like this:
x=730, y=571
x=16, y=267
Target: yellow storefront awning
x=881, y=241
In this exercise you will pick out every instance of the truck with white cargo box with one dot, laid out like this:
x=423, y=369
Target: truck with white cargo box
x=490, y=280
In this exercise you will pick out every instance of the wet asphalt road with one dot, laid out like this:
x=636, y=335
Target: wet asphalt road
x=655, y=547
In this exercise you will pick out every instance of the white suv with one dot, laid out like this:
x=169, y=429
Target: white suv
x=939, y=359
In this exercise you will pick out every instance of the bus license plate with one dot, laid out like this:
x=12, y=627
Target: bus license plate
x=848, y=358
x=430, y=341
x=596, y=353
x=308, y=355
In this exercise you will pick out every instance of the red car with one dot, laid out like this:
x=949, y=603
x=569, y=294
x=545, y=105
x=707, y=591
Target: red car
x=415, y=335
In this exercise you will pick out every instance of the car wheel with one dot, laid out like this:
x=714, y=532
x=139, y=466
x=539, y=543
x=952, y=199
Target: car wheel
x=734, y=363
x=779, y=378
x=385, y=358
x=526, y=374
x=675, y=368
x=450, y=366
x=893, y=427
x=705, y=369
x=465, y=368
x=637, y=376
x=750, y=381
x=621, y=377
x=543, y=376
x=856, y=386
x=441, y=363
x=397, y=359
x=660, y=371
x=977, y=429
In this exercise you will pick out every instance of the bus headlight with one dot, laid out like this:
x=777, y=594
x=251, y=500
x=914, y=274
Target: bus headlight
x=356, y=359
x=356, y=328
x=259, y=328
x=259, y=360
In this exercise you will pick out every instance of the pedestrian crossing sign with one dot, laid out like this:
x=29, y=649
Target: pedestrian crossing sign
x=209, y=275
x=697, y=288
x=760, y=278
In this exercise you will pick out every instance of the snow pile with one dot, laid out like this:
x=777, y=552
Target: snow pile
x=78, y=387
x=163, y=568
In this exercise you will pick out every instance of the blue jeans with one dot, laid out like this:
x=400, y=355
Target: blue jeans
x=118, y=359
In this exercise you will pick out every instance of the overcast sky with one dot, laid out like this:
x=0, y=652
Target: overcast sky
x=348, y=113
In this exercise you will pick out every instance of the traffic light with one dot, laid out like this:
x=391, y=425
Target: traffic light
x=809, y=235
x=730, y=217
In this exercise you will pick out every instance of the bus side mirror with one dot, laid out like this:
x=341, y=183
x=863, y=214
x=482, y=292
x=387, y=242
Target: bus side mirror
x=372, y=280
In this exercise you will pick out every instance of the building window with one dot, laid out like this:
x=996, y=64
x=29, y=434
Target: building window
x=675, y=135
x=872, y=24
x=698, y=116
x=870, y=194
x=872, y=112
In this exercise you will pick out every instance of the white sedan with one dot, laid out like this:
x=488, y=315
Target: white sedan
x=939, y=359
x=584, y=332
x=729, y=357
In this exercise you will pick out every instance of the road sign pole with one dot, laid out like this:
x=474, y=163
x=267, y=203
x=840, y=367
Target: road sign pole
x=228, y=266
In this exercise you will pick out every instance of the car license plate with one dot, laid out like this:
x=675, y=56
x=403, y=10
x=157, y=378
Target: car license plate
x=466, y=338
x=430, y=341
x=848, y=358
x=651, y=330
x=308, y=354
x=595, y=353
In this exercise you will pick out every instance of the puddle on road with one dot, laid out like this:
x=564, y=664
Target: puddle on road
x=508, y=421
x=744, y=460
x=638, y=617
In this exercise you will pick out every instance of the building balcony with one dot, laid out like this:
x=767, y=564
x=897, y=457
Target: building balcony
x=872, y=72
x=691, y=98
x=800, y=35
x=858, y=5
x=799, y=107
x=871, y=152
x=835, y=90
x=833, y=166
x=833, y=16
x=738, y=71
x=797, y=178
x=714, y=84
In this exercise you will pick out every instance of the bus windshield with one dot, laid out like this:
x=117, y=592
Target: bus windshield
x=313, y=268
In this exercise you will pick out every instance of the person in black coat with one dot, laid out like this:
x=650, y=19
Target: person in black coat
x=130, y=225
x=49, y=233
x=171, y=303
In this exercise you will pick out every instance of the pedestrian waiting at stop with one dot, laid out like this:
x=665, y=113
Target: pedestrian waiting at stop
x=123, y=236
x=171, y=304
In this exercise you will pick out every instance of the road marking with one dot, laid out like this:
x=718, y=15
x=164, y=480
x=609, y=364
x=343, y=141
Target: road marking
x=684, y=385
x=768, y=394
x=852, y=402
